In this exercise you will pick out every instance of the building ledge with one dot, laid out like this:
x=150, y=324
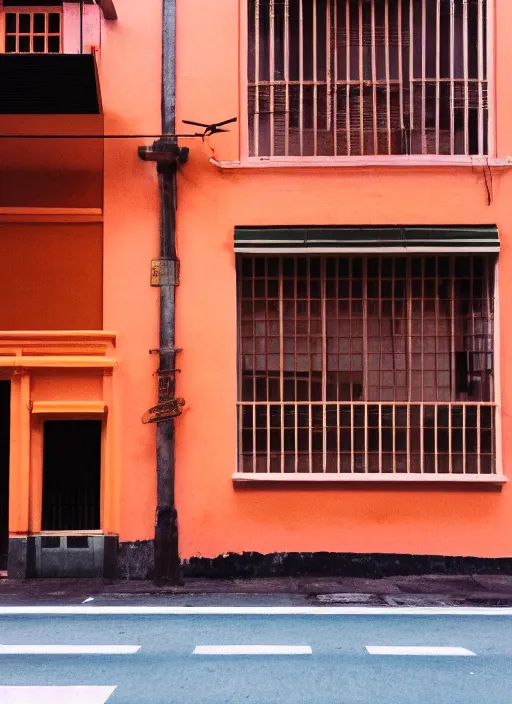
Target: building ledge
x=54, y=335
x=361, y=161
x=57, y=362
x=96, y=408
x=65, y=533
x=57, y=348
x=52, y=215
x=246, y=477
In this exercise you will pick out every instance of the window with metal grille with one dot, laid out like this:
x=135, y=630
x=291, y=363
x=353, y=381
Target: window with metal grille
x=367, y=77
x=33, y=30
x=366, y=364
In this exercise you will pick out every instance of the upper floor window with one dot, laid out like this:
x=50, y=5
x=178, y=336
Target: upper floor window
x=346, y=78
x=32, y=30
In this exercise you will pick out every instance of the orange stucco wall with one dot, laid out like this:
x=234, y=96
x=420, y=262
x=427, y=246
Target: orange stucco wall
x=130, y=70
x=51, y=276
x=47, y=172
x=214, y=516
x=79, y=224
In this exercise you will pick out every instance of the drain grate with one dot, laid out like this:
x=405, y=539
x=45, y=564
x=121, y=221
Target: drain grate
x=349, y=599
x=422, y=600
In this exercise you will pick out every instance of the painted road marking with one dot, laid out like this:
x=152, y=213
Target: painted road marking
x=55, y=695
x=68, y=650
x=252, y=650
x=254, y=611
x=416, y=650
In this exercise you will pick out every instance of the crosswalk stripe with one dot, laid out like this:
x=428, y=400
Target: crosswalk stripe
x=69, y=649
x=252, y=650
x=55, y=695
x=416, y=650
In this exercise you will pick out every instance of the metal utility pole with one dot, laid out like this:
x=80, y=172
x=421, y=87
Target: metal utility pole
x=168, y=155
x=167, y=561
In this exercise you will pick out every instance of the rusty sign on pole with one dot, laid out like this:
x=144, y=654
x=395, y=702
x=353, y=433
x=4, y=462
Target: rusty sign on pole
x=164, y=411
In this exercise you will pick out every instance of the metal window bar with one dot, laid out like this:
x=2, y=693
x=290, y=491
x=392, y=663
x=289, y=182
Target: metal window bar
x=387, y=73
x=32, y=30
x=401, y=77
x=452, y=76
x=373, y=365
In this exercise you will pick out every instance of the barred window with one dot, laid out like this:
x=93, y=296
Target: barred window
x=33, y=30
x=366, y=364
x=367, y=77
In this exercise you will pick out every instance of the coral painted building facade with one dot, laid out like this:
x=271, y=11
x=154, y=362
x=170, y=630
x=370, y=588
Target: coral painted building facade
x=78, y=229
x=344, y=254
x=319, y=468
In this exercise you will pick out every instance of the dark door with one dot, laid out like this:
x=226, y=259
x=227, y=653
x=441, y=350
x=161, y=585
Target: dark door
x=5, y=426
x=71, y=475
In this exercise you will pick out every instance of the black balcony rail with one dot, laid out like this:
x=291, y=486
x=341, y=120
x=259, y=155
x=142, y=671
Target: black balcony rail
x=50, y=84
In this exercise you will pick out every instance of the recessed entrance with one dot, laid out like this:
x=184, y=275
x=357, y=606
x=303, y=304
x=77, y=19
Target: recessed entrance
x=71, y=475
x=5, y=424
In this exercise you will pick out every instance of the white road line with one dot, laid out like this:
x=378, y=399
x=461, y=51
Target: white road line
x=55, y=695
x=252, y=650
x=68, y=650
x=254, y=611
x=416, y=650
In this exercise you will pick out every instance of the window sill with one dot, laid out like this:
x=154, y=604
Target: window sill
x=360, y=161
x=239, y=477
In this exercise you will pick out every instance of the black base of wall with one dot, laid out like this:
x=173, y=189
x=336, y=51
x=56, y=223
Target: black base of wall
x=136, y=560
x=369, y=565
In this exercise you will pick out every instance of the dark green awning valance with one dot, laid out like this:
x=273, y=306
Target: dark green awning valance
x=351, y=240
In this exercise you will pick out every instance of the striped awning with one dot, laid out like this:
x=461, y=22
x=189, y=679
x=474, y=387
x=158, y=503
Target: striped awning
x=350, y=240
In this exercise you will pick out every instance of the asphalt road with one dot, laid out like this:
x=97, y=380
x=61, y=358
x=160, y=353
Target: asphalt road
x=167, y=659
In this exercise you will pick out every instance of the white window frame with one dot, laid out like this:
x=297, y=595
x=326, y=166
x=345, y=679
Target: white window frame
x=247, y=161
x=497, y=477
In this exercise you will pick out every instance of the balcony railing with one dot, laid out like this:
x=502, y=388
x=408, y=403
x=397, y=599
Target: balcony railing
x=372, y=440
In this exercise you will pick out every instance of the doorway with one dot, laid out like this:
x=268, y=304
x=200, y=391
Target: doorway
x=71, y=475
x=5, y=442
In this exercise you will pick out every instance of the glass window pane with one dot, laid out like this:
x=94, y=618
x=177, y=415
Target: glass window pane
x=10, y=22
x=10, y=45
x=54, y=22
x=39, y=19
x=24, y=45
x=24, y=23
x=53, y=45
x=39, y=45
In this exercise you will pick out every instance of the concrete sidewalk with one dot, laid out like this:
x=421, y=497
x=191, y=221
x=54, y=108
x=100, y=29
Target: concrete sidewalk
x=428, y=590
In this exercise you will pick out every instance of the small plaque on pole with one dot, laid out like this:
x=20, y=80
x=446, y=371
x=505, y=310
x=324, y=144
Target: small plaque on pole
x=164, y=272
